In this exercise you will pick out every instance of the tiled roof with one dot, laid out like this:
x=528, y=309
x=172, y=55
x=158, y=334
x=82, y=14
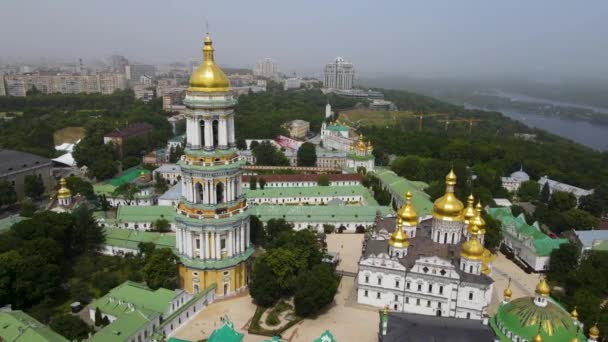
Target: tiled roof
x=307, y=177
x=133, y=129
x=14, y=161
x=18, y=326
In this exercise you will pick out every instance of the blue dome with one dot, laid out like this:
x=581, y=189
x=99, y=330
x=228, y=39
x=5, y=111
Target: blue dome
x=520, y=175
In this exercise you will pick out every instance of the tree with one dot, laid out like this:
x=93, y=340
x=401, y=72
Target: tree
x=33, y=186
x=160, y=269
x=105, y=321
x=161, y=225
x=241, y=144
x=27, y=208
x=328, y=228
x=257, y=232
x=98, y=317
x=307, y=155
x=71, y=327
x=493, y=236
x=314, y=290
x=323, y=181
x=78, y=185
x=126, y=191
x=579, y=220
x=88, y=234
x=146, y=248
x=275, y=226
x=160, y=184
x=545, y=193
x=262, y=183
x=562, y=201
x=7, y=193
x=263, y=287
x=102, y=169
x=253, y=182
x=593, y=204
x=266, y=154
x=528, y=190
x=284, y=264
x=563, y=261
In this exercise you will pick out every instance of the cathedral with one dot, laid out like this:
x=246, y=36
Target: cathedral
x=432, y=266
x=212, y=221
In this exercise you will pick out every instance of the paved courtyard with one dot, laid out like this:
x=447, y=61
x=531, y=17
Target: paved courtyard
x=348, y=246
x=522, y=283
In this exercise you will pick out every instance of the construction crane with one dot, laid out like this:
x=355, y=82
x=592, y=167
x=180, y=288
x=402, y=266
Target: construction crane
x=422, y=115
x=471, y=121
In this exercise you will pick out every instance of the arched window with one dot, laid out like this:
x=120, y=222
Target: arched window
x=219, y=192
x=202, y=132
x=199, y=191
x=216, y=136
x=445, y=238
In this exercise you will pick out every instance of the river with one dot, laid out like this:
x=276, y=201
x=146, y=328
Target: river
x=583, y=132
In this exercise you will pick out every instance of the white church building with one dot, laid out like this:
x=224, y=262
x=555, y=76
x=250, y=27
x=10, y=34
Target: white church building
x=428, y=267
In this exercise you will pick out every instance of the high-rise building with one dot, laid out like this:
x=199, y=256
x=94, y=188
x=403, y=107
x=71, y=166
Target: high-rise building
x=212, y=221
x=136, y=71
x=339, y=75
x=118, y=63
x=104, y=83
x=266, y=67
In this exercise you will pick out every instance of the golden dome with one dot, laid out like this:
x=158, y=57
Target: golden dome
x=63, y=191
x=369, y=146
x=469, y=211
x=487, y=259
x=538, y=338
x=574, y=339
x=478, y=220
x=543, y=288
x=361, y=144
x=574, y=314
x=208, y=77
x=407, y=213
x=448, y=207
x=594, y=332
x=399, y=238
x=472, y=249
x=508, y=293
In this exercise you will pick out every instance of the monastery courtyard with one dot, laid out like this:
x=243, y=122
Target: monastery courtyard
x=347, y=320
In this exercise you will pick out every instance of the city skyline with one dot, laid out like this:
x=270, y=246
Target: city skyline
x=423, y=39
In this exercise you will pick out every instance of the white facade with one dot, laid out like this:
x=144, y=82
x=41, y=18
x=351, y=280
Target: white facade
x=563, y=187
x=513, y=182
x=265, y=67
x=170, y=172
x=292, y=83
x=308, y=200
x=339, y=75
x=336, y=136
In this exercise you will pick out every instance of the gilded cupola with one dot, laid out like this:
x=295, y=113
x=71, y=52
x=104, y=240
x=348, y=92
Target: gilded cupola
x=399, y=238
x=542, y=288
x=407, y=214
x=361, y=144
x=448, y=207
x=208, y=77
x=594, y=332
x=469, y=211
x=63, y=191
x=478, y=220
x=472, y=249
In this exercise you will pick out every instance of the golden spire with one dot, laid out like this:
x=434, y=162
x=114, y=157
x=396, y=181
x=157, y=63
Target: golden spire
x=399, y=238
x=478, y=220
x=209, y=77
x=472, y=249
x=469, y=211
x=448, y=207
x=574, y=314
x=508, y=293
x=63, y=191
x=594, y=331
x=407, y=213
x=543, y=288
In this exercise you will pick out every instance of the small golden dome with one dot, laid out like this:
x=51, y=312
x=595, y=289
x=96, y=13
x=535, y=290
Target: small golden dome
x=469, y=211
x=448, y=207
x=399, y=238
x=407, y=213
x=369, y=146
x=574, y=314
x=478, y=220
x=543, y=288
x=594, y=332
x=538, y=338
x=361, y=144
x=208, y=77
x=63, y=191
x=575, y=339
x=508, y=293
x=472, y=249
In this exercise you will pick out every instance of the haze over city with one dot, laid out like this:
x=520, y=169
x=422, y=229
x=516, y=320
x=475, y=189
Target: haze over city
x=422, y=38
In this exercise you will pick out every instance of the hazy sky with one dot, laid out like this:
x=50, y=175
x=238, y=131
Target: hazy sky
x=449, y=37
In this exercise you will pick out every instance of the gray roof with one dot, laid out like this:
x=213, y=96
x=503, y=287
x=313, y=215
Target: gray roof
x=174, y=193
x=11, y=161
x=587, y=237
x=422, y=245
x=406, y=327
x=168, y=168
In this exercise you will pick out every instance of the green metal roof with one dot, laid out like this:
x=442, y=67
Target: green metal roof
x=313, y=191
x=337, y=127
x=7, y=222
x=521, y=317
x=128, y=238
x=355, y=156
x=17, y=326
x=399, y=186
x=226, y=333
x=128, y=176
x=312, y=213
x=140, y=296
x=543, y=244
x=145, y=213
x=326, y=337
x=123, y=328
x=104, y=189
